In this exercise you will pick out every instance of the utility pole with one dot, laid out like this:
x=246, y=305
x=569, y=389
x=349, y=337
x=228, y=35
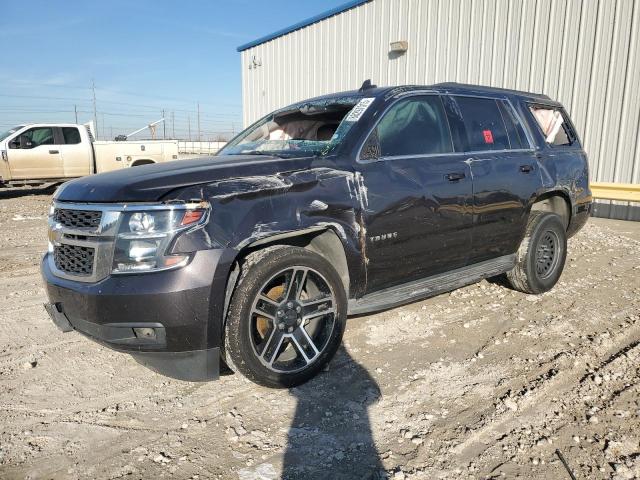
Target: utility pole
x=75, y=110
x=111, y=132
x=164, y=127
x=173, y=125
x=189, y=124
x=95, y=112
x=199, y=122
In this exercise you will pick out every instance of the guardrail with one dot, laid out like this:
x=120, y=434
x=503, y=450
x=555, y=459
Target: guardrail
x=625, y=192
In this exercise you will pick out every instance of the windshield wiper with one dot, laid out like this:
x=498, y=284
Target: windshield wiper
x=260, y=152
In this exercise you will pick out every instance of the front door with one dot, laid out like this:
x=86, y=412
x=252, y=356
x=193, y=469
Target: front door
x=505, y=175
x=35, y=154
x=417, y=208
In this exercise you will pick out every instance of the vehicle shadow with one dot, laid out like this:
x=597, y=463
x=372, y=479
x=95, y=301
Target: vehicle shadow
x=7, y=193
x=330, y=436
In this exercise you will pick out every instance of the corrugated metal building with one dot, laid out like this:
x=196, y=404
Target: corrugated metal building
x=585, y=53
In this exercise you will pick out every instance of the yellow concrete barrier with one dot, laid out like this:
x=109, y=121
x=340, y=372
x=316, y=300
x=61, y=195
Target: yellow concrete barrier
x=625, y=192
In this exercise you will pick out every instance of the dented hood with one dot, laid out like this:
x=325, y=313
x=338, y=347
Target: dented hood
x=149, y=183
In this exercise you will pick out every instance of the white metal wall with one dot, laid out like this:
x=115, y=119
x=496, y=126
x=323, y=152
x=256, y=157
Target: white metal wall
x=584, y=53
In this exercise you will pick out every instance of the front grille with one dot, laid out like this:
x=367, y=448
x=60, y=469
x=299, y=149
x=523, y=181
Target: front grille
x=78, y=218
x=74, y=259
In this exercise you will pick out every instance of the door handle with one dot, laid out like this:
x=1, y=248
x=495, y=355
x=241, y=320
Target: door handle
x=53, y=152
x=454, y=177
x=526, y=168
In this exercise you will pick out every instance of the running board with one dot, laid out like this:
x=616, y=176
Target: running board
x=430, y=286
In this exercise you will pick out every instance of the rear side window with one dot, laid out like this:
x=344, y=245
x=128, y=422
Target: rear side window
x=553, y=125
x=517, y=137
x=71, y=135
x=414, y=126
x=483, y=124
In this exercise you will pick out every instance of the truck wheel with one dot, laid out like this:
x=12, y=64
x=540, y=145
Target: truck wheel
x=286, y=317
x=541, y=256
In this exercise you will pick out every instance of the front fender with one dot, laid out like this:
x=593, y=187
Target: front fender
x=248, y=211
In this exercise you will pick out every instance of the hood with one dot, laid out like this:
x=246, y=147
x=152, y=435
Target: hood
x=150, y=183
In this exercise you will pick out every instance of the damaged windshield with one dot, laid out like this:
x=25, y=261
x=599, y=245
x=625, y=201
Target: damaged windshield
x=312, y=128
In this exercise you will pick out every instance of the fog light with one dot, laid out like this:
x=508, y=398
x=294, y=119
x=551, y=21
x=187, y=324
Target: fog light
x=145, y=333
x=142, y=249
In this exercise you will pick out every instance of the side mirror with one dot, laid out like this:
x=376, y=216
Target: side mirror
x=15, y=143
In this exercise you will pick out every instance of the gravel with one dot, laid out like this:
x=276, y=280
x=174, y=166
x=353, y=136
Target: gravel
x=483, y=382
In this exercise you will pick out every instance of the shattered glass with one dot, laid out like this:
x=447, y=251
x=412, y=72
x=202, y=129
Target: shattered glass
x=310, y=128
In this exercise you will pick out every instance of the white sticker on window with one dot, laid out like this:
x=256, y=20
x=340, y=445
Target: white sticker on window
x=357, y=111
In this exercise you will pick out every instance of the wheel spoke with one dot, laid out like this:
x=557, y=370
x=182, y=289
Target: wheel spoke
x=317, y=308
x=265, y=307
x=272, y=346
x=296, y=284
x=304, y=344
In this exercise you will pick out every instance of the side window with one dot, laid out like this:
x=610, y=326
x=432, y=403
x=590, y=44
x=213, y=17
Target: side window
x=71, y=135
x=517, y=137
x=553, y=125
x=413, y=126
x=483, y=124
x=39, y=136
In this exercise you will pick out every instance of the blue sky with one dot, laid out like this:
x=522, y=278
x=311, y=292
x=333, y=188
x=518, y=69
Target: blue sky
x=143, y=55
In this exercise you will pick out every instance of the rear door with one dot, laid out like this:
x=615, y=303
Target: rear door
x=76, y=154
x=417, y=210
x=35, y=154
x=505, y=176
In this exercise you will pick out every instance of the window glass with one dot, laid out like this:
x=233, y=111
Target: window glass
x=11, y=131
x=553, y=125
x=39, y=136
x=414, y=126
x=517, y=137
x=71, y=135
x=308, y=128
x=483, y=124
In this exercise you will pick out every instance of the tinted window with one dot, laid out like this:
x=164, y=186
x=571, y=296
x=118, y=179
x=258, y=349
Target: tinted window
x=71, y=135
x=517, y=137
x=414, y=126
x=39, y=136
x=553, y=125
x=483, y=124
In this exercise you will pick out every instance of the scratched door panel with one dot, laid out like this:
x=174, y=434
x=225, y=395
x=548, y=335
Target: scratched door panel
x=418, y=222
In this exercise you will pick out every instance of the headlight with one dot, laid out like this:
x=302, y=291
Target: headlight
x=145, y=238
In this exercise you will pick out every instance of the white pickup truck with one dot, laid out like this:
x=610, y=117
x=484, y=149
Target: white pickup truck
x=47, y=153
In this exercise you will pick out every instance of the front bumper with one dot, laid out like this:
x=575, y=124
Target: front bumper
x=170, y=321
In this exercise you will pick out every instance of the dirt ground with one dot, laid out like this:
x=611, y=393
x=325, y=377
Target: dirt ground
x=484, y=382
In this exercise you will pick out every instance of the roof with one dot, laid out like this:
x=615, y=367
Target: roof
x=452, y=88
x=469, y=88
x=304, y=23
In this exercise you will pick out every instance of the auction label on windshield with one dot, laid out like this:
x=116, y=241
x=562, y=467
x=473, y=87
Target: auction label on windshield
x=357, y=111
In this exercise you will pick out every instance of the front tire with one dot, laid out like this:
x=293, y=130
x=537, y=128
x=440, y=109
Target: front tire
x=541, y=256
x=286, y=317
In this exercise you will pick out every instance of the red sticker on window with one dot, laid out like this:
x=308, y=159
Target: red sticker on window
x=488, y=136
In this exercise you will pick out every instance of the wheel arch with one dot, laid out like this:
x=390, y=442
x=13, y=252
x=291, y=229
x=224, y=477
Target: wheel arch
x=554, y=201
x=322, y=240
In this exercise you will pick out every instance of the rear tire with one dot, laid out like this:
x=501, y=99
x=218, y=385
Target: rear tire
x=286, y=317
x=541, y=256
